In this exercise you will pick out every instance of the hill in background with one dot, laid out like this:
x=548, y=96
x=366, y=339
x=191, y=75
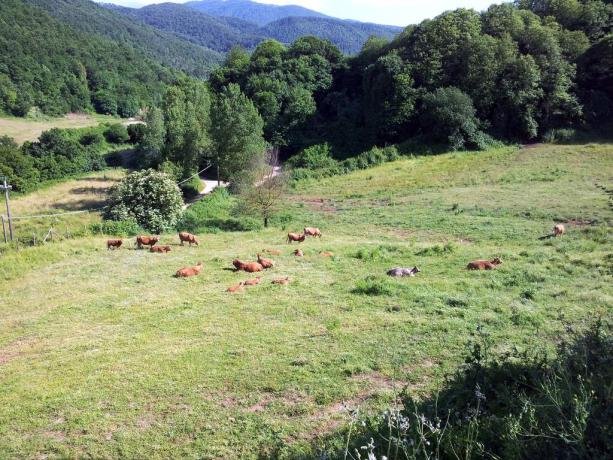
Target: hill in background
x=91, y=18
x=220, y=25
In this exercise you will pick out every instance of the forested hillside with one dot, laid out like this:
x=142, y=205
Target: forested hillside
x=219, y=34
x=248, y=10
x=47, y=64
x=91, y=18
x=220, y=26
x=461, y=79
x=348, y=36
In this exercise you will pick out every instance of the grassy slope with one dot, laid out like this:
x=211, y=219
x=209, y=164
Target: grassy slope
x=105, y=353
x=23, y=129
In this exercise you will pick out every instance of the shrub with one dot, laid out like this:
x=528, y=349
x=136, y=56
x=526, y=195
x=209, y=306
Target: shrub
x=314, y=157
x=192, y=188
x=512, y=405
x=149, y=197
x=19, y=169
x=136, y=132
x=116, y=134
x=449, y=116
x=91, y=138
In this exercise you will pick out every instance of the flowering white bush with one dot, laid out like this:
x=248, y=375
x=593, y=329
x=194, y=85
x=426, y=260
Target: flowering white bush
x=151, y=198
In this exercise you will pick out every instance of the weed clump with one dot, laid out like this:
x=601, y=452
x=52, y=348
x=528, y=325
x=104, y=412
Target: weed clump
x=374, y=286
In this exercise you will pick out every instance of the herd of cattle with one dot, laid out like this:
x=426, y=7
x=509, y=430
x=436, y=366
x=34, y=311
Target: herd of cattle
x=262, y=264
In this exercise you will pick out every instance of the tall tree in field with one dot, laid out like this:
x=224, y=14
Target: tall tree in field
x=186, y=116
x=153, y=137
x=262, y=191
x=237, y=132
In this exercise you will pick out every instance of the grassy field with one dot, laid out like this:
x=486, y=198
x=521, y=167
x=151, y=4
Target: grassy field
x=66, y=200
x=24, y=129
x=104, y=354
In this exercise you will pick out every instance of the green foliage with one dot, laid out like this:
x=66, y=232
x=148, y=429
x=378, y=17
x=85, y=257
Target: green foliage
x=149, y=197
x=236, y=131
x=449, y=116
x=187, y=124
x=136, y=132
x=47, y=64
x=169, y=49
x=19, y=168
x=192, y=188
x=314, y=157
x=214, y=214
x=374, y=286
x=120, y=228
x=116, y=134
x=514, y=405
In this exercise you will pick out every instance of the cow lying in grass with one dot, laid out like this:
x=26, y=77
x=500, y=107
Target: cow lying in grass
x=237, y=288
x=273, y=252
x=281, y=281
x=188, y=238
x=299, y=253
x=327, y=254
x=160, y=249
x=484, y=264
x=189, y=271
x=404, y=271
x=146, y=241
x=253, y=282
x=113, y=244
x=249, y=267
x=266, y=263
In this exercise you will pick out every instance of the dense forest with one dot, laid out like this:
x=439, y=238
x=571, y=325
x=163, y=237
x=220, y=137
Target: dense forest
x=45, y=64
x=220, y=32
x=166, y=48
x=513, y=72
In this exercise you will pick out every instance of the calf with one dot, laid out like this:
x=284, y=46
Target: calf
x=146, y=241
x=253, y=282
x=282, y=281
x=160, y=249
x=188, y=238
x=559, y=230
x=297, y=237
x=312, y=231
x=113, y=244
x=237, y=288
x=299, y=253
x=403, y=271
x=484, y=264
x=189, y=271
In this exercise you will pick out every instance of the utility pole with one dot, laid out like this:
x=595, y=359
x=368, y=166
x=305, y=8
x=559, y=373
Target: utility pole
x=6, y=188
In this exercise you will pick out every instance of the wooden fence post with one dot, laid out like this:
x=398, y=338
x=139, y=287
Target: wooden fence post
x=4, y=229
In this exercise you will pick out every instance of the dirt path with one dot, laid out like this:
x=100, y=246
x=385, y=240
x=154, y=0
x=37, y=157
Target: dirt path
x=209, y=186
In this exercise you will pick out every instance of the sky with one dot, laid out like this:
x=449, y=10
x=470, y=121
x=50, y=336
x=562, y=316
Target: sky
x=393, y=12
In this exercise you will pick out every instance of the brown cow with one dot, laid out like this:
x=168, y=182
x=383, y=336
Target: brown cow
x=237, y=288
x=559, y=230
x=113, y=244
x=312, y=231
x=484, y=264
x=160, y=249
x=299, y=253
x=282, y=281
x=188, y=238
x=253, y=282
x=297, y=237
x=266, y=263
x=249, y=267
x=146, y=241
x=189, y=271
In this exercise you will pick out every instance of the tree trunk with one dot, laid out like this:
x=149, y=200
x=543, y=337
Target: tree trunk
x=265, y=222
x=218, y=179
